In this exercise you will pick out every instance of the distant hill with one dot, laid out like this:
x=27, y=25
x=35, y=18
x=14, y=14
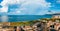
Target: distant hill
x=17, y=18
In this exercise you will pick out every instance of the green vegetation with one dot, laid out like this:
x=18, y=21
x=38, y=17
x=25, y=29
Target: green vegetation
x=32, y=22
x=22, y=23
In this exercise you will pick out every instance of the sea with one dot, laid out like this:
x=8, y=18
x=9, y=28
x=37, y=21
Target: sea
x=20, y=18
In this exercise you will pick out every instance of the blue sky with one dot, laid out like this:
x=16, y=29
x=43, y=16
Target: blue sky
x=29, y=7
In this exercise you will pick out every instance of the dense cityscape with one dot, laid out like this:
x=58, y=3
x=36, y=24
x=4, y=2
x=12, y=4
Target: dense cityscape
x=45, y=24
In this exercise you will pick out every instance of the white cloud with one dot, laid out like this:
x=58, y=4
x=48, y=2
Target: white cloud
x=37, y=2
x=27, y=6
x=52, y=12
x=58, y=1
x=4, y=9
x=31, y=7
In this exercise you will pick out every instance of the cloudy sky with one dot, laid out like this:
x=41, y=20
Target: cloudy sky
x=29, y=7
